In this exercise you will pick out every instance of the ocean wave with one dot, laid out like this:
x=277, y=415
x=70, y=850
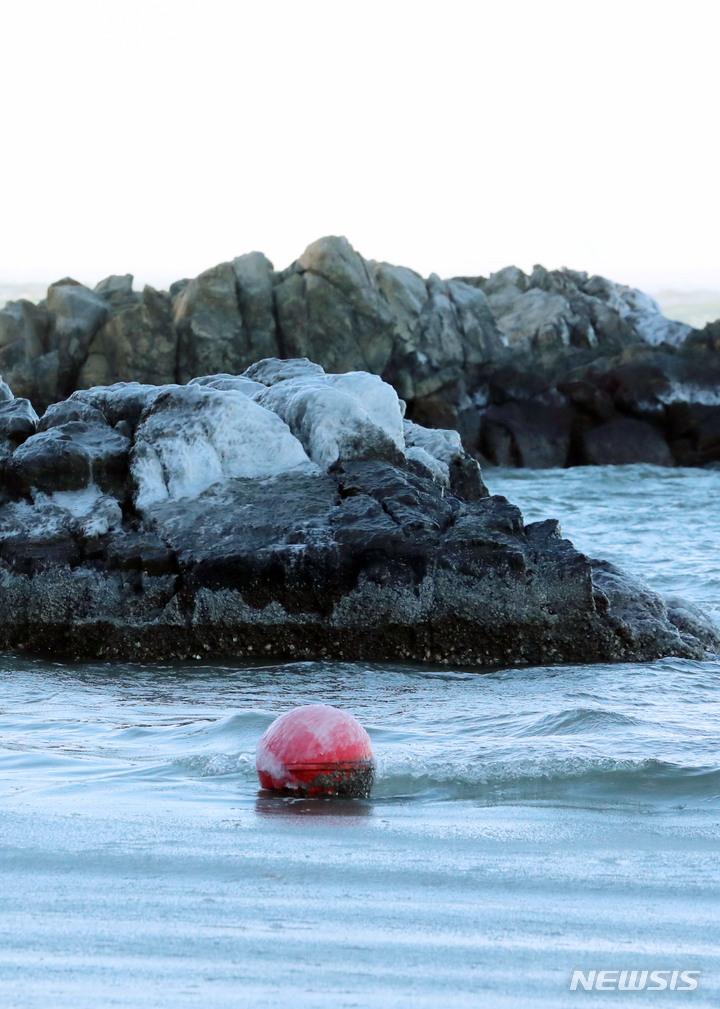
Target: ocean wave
x=570, y=777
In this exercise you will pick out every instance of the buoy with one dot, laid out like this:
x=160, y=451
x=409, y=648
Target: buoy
x=316, y=750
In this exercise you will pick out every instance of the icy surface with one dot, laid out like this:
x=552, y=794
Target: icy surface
x=439, y=472
x=379, y=399
x=278, y=417
x=433, y=448
x=656, y=329
x=339, y=417
x=196, y=436
x=272, y=370
x=685, y=392
x=237, y=382
x=121, y=401
x=86, y=512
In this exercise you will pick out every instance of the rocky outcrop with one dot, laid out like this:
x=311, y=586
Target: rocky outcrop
x=291, y=513
x=552, y=368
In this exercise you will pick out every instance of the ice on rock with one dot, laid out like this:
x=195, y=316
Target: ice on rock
x=95, y=513
x=238, y=383
x=339, y=417
x=379, y=399
x=439, y=471
x=272, y=370
x=434, y=449
x=191, y=437
x=656, y=329
x=86, y=512
x=123, y=401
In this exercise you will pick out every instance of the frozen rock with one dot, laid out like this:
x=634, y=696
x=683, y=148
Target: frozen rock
x=656, y=329
x=70, y=457
x=68, y=410
x=236, y=543
x=123, y=401
x=272, y=370
x=441, y=447
x=194, y=436
x=339, y=417
x=239, y=383
x=18, y=420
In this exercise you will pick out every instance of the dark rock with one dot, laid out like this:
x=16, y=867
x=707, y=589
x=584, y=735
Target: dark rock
x=31, y=370
x=138, y=343
x=637, y=389
x=529, y=433
x=209, y=325
x=77, y=315
x=587, y=399
x=69, y=410
x=18, y=421
x=626, y=441
x=225, y=318
x=22, y=323
x=255, y=278
x=329, y=310
x=70, y=457
x=121, y=402
x=117, y=292
x=694, y=432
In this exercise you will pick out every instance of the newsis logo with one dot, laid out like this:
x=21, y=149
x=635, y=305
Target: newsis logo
x=634, y=980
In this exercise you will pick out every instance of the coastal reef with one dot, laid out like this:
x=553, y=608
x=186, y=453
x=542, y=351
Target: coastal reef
x=284, y=512
x=551, y=368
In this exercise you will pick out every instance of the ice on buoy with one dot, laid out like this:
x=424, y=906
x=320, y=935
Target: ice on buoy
x=316, y=750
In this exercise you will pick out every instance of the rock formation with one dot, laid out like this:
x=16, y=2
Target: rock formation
x=288, y=513
x=554, y=368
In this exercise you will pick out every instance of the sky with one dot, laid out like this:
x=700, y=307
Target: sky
x=160, y=138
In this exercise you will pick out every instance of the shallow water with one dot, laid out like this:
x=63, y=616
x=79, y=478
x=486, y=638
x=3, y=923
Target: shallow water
x=523, y=824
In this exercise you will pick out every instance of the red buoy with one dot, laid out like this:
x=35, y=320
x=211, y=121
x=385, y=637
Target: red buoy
x=316, y=750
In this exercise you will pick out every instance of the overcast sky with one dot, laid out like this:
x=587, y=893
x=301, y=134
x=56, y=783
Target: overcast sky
x=159, y=138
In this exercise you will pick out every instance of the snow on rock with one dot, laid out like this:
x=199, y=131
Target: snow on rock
x=6, y=392
x=339, y=417
x=193, y=436
x=434, y=449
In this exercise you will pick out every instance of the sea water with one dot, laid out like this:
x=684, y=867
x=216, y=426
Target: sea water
x=524, y=824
